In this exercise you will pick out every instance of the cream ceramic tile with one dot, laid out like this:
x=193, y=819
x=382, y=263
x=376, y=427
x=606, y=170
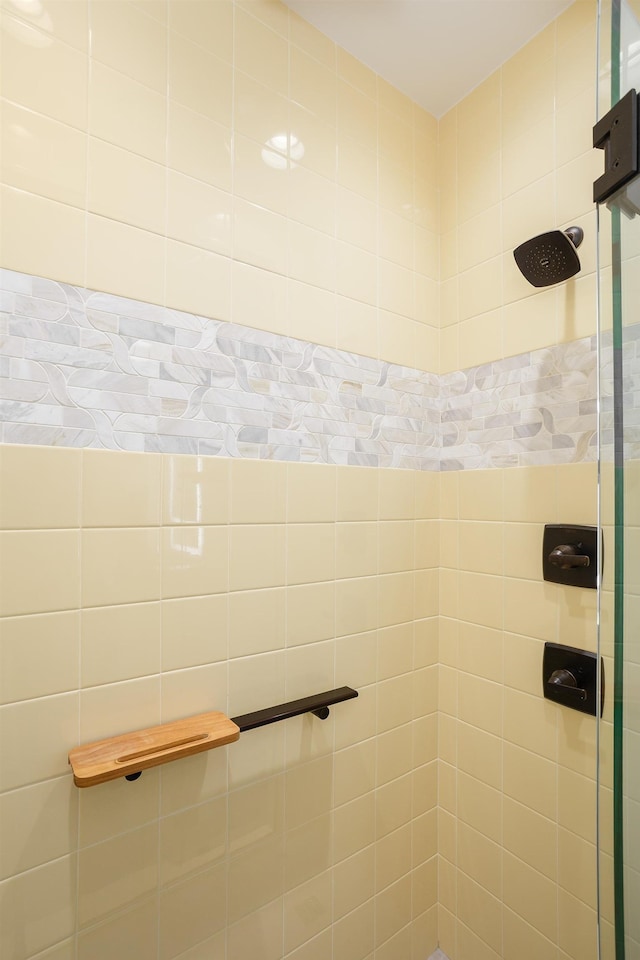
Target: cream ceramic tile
x=50, y=725
x=307, y=851
x=53, y=887
x=40, y=487
x=198, y=214
x=192, y=840
x=395, y=651
x=395, y=703
x=310, y=553
x=43, y=74
x=115, y=809
x=479, y=753
x=124, y=260
x=393, y=909
x=394, y=753
x=120, y=566
x=357, y=327
x=531, y=895
x=255, y=877
x=114, y=708
x=125, y=187
x=56, y=18
x=356, y=220
x=40, y=571
x=195, y=490
x=311, y=313
x=396, y=289
x=194, y=631
x=198, y=280
x=299, y=926
x=396, y=595
x=210, y=25
x=199, y=147
x=127, y=113
x=260, y=237
x=120, y=643
x=259, y=298
x=106, y=884
x=258, y=491
x=191, y=911
x=257, y=556
x=120, y=490
x=528, y=156
x=393, y=800
x=353, y=935
x=530, y=494
x=531, y=608
x=113, y=937
x=194, y=561
x=262, y=172
x=354, y=826
x=353, y=880
x=356, y=550
x=357, y=168
x=522, y=660
x=259, y=112
x=127, y=40
x=530, y=722
x=480, y=806
x=52, y=642
x=28, y=223
x=312, y=256
x=256, y=621
x=310, y=613
x=199, y=80
x=26, y=138
x=260, y=52
x=481, y=599
x=37, y=824
x=311, y=493
x=259, y=932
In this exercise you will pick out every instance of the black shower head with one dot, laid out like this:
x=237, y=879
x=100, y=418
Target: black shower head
x=550, y=257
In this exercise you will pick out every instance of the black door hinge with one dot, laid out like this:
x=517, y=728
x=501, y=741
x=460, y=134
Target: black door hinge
x=617, y=134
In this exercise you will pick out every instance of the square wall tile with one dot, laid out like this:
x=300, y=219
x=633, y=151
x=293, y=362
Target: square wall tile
x=120, y=490
x=120, y=566
x=39, y=487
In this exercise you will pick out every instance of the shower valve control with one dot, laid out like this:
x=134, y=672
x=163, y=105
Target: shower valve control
x=570, y=555
x=573, y=678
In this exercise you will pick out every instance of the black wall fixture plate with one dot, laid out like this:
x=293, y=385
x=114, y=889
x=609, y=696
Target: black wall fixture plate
x=569, y=677
x=570, y=555
x=617, y=133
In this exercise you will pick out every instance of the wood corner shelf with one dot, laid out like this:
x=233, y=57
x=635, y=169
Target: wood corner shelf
x=131, y=753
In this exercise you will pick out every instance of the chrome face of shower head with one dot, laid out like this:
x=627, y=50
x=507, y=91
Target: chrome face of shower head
x=550, y=257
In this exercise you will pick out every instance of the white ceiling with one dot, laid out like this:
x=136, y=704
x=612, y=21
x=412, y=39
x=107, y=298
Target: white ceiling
x=435, y=51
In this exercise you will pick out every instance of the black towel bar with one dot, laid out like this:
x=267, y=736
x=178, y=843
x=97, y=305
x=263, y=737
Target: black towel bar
x=318, y=704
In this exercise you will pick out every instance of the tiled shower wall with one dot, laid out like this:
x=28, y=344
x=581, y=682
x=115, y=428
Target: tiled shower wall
x=152, y=585
x=229, y=169
x=139, y=588
x=517, y=773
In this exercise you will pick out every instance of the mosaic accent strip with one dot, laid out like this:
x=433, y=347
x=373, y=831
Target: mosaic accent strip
x=534, y=408
x=86, y=369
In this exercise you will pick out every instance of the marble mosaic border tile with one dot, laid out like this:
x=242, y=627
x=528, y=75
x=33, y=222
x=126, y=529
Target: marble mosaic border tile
x=85, y=369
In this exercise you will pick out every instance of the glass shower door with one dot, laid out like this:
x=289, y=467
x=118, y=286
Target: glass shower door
x=619, y=459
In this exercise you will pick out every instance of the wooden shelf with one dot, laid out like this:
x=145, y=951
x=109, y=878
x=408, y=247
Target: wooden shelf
x=133, y=752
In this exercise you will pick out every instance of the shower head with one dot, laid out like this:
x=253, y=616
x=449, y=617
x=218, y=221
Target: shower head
x=550, y=257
